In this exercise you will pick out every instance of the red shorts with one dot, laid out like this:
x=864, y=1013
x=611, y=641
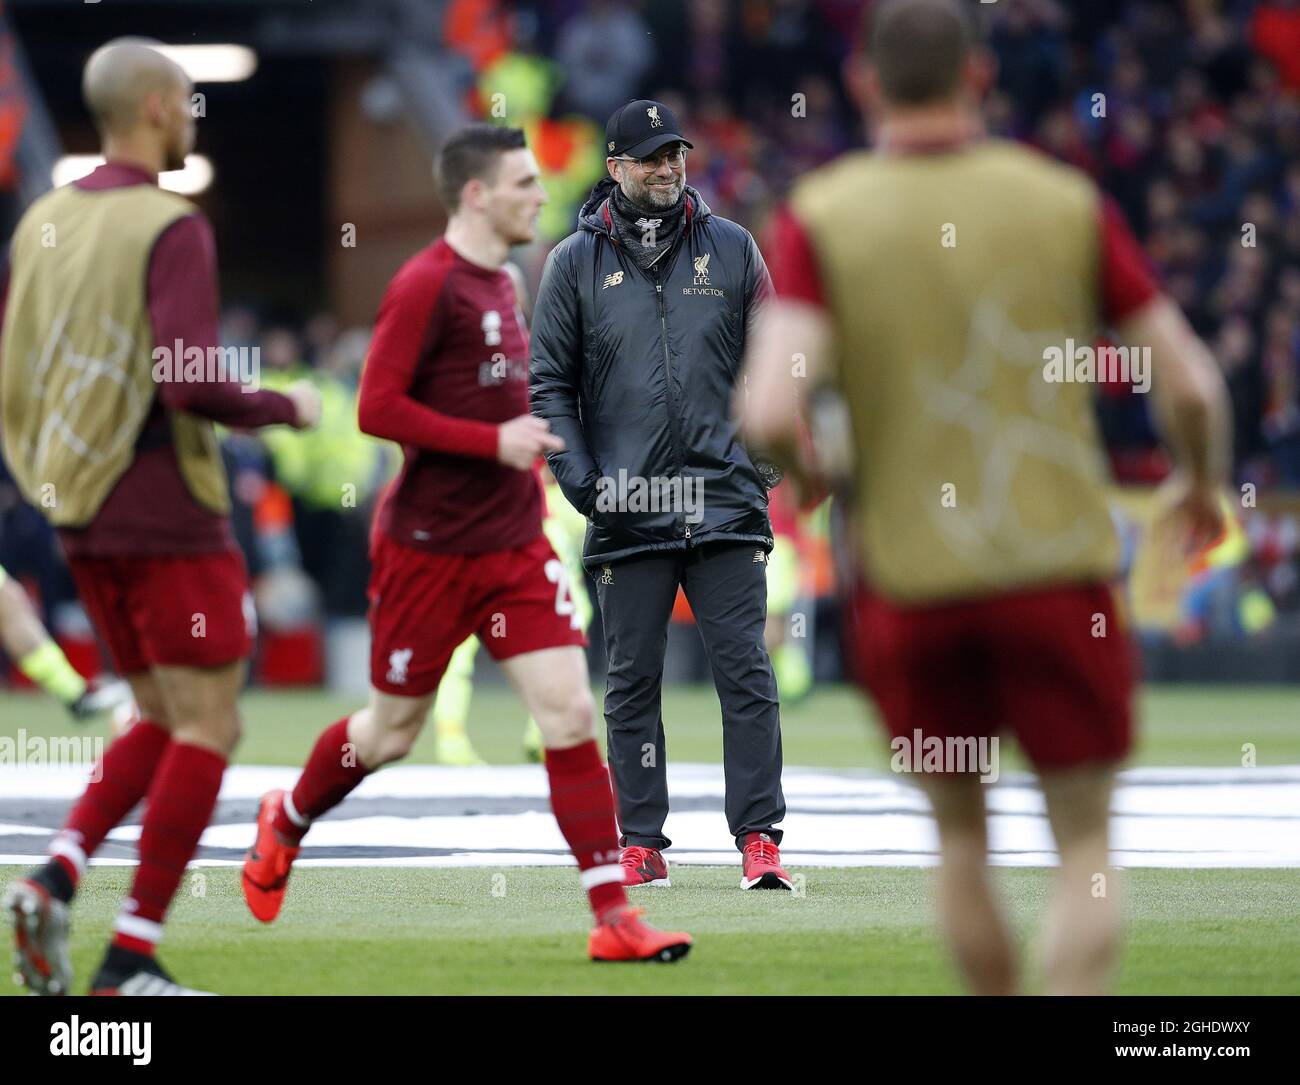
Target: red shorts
x=424, y=604
x=192, y=611
x=1027, y=660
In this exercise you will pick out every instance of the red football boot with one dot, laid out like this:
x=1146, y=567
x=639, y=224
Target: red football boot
x=622, y=936
x=762, y=864
x=267, y=864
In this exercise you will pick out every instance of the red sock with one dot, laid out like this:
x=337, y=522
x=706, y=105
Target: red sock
x=181, y=801
x=119, y=781
x=584, y=807
x=331, y=772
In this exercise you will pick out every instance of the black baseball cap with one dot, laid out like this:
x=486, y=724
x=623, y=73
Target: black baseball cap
x=640, y=128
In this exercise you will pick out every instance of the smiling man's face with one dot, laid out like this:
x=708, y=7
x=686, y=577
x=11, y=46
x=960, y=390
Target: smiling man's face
x=656, y=189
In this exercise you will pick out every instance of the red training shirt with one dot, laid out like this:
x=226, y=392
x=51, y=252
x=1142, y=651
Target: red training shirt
x=448, y=364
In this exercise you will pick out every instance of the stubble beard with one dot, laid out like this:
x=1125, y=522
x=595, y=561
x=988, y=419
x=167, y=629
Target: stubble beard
x=654, y=199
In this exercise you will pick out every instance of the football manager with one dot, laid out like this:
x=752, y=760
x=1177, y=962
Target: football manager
x=638, y=334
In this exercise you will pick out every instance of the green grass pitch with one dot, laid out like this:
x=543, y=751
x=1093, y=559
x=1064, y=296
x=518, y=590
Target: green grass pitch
x=862, y=931
x=835, y=728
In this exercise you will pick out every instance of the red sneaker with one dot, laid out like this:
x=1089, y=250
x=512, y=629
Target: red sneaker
x=622, y=936
x=762, y=864
x=267, y=864
x=644, y=866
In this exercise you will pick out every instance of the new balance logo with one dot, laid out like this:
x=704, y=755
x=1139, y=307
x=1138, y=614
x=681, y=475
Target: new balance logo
x=612, y=280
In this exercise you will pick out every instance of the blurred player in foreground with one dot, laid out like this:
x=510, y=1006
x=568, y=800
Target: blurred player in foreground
x=120, y=455
x=28, y=643
x=985, y=546
x=458, y=547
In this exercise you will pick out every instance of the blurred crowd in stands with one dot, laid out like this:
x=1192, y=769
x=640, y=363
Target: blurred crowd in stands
x=1186, y=111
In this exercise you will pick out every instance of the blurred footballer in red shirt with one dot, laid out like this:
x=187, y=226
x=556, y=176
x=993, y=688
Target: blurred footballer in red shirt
x=142, y=504
x=458, y=547
x=929, y=280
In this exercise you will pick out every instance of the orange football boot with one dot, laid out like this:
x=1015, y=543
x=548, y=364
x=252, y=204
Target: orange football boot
x=622, y=936
x=267, y=864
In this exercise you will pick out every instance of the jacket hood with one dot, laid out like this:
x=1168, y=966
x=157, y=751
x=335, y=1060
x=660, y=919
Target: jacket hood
x=591, y=216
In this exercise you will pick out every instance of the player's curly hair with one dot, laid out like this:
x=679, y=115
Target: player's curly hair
x=471, y=153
